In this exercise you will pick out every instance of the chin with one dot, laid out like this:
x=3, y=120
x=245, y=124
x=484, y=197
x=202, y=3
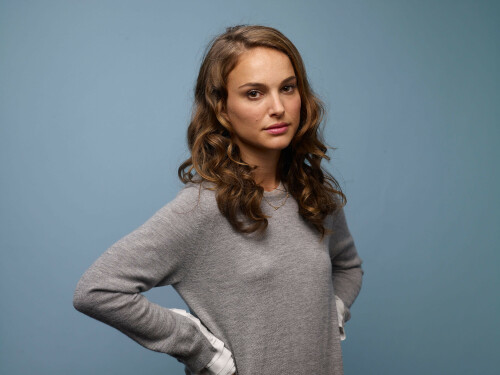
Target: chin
x=281, y=144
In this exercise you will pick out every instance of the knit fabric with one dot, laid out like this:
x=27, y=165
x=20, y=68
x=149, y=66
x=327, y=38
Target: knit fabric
x=269, y=297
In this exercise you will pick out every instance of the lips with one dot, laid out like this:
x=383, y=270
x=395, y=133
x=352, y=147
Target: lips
x=278, y=128
x=278, y=125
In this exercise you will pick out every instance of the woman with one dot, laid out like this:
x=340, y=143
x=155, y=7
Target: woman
x=256, y=243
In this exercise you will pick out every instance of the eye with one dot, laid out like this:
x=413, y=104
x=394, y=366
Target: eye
x=289, y=88
x=253, y=94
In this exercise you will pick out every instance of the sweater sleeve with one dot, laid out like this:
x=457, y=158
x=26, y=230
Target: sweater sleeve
x=155, y=254
x=346, y=264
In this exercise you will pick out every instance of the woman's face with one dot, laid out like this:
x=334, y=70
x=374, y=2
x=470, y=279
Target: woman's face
x=263, y=103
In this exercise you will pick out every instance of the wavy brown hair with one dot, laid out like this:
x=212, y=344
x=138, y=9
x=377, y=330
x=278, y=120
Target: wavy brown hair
x=216, y=158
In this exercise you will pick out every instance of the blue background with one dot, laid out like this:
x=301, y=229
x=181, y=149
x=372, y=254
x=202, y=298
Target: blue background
x=95, y=98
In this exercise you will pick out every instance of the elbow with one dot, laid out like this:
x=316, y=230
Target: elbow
x=94, y=300
x=81, y=299
x=85, y=299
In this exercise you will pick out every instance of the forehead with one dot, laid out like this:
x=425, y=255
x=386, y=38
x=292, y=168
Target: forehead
x=261, y=65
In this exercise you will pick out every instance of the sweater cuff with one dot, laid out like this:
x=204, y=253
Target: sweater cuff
x=222, y=362
x=341, y=311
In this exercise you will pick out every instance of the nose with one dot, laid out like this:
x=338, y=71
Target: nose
x=276, y=107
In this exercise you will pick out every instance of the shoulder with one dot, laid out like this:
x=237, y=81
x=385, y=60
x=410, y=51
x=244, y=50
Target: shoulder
x=336, y=218
x=337, y=226
x=194, y=202
x=183, y=218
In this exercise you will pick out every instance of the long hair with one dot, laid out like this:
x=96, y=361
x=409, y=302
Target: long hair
x=216, y=158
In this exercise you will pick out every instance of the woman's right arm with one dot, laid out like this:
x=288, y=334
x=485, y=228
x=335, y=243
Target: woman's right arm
x=155, y=254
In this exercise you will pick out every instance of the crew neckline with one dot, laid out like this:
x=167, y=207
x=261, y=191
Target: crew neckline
x=278, y=191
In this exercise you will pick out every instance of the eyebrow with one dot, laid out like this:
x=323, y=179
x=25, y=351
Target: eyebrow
x=257, y=84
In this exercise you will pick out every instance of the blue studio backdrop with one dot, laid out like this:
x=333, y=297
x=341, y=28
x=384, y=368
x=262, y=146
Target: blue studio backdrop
x=95, y=97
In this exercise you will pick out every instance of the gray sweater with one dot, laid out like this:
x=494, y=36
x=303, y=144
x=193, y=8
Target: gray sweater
x=269, y=297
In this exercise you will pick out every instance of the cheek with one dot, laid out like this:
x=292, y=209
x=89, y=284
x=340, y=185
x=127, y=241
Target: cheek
x=295, y=106
x=242, y=113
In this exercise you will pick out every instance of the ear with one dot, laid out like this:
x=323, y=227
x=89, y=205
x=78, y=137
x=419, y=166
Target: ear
x=222, y=116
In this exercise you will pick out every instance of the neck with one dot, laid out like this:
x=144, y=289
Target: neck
x=266, y=178
x=265, y=174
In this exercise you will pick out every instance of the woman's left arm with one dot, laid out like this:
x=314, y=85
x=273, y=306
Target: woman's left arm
x=346, y=263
